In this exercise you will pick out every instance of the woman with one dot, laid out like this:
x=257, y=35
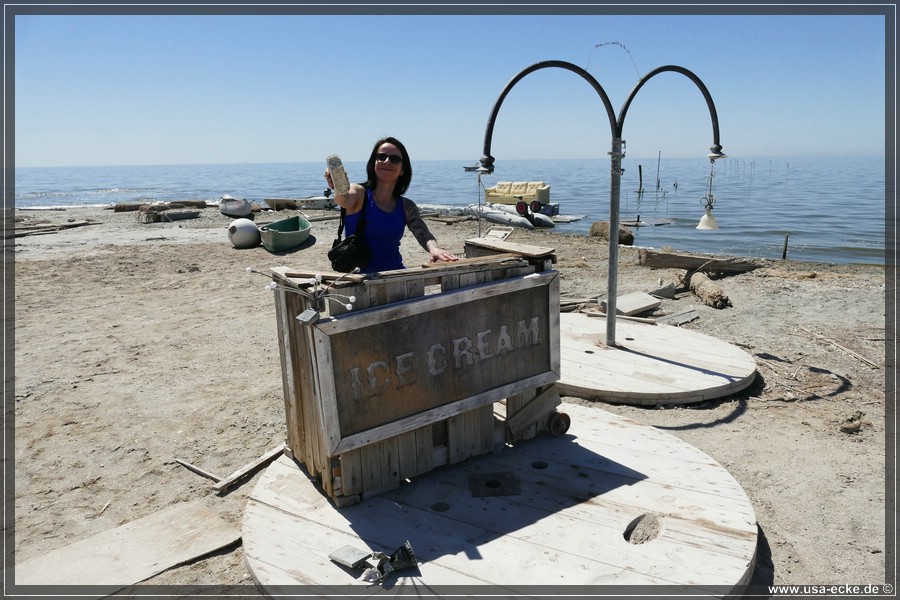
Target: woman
x=387, y=212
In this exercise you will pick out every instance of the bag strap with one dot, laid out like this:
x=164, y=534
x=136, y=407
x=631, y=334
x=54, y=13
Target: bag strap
x=361, y=224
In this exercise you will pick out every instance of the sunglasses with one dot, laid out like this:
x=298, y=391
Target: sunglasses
x=394, y=158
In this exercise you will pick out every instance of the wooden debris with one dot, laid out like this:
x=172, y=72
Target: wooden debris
x=193, y=203
x=570, y=304
x=49, y=227
x=127, y=206
x=666, y=291
x=625, y=317
x=198, y=470
x=132, y=552
x=634, y=304
x=543, y=405
x=181, y=215
x=269, y=456
x=158, y=207
x=498, y=232
x=667, y=260
x=448, y=219
x=155, y=216
x=707, y=291
x=684, y=316
x=481, y=246
x=467, y=262
x=148, y=217
x=847, y=350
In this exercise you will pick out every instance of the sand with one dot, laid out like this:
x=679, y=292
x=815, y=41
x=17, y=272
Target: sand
x=136, y=344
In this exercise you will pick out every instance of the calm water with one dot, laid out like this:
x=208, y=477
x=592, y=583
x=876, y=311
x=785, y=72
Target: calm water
x=832, y=209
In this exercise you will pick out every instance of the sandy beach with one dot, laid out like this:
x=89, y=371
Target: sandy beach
x=139, y=344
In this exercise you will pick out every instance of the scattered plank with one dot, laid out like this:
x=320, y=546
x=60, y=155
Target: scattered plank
x=633, y=304
x=625, y=317
x=198, y=470
x=492, y=259
x=498, y=232
x=133, y=552
x=502, y=246
x=49, y=228
x=667, y=260
x=684, y=316
x=266, y=458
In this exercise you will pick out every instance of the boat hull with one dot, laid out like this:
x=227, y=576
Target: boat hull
x=285, y=234
x=537, y=219
x=499, y=216
x=232, y=207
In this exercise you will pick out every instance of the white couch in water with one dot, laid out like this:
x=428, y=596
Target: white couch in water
x=509, y=192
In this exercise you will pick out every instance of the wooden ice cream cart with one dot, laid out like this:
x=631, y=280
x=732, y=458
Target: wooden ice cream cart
x=430, y=366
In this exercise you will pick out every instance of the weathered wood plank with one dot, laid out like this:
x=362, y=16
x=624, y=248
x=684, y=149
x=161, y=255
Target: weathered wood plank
x=667, y=260
x=132, y=552
x=634, y=303
x=529, y=414
x=248, y=468
x=526, y=250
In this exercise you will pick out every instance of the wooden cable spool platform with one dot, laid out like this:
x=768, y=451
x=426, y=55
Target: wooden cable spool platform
x=611, y=503
x=650, y=364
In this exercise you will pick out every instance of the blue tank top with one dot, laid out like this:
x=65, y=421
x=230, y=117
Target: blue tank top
x=382, y=234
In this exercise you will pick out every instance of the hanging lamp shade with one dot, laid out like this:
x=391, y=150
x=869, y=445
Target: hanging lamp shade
x=708, y=221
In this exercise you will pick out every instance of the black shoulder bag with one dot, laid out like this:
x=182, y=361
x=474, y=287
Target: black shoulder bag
x=346, y=255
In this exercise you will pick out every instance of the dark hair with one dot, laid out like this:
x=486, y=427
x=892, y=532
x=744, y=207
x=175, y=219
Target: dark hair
x=403, y=182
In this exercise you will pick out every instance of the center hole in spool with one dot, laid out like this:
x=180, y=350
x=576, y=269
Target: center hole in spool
x=644, y=528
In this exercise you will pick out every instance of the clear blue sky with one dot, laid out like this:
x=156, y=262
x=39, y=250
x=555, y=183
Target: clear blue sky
x=139, y=89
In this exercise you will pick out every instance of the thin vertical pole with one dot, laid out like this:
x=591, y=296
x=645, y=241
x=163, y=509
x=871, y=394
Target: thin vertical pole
x=612, y=276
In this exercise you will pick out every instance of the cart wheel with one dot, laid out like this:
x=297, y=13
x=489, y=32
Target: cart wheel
x=559, y=424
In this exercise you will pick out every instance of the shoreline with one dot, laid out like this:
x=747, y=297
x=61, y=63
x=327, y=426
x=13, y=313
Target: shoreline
x=211, y=219
x=136, y=344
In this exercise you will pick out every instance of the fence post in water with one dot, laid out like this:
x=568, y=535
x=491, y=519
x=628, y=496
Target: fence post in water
x=784, y=251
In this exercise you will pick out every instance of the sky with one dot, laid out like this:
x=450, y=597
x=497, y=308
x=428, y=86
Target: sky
x=133, y=89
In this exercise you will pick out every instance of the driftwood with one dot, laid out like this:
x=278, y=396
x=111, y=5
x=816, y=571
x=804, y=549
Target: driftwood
x=150, y=216
x=39, y=229
x=667, y=260
x=706, y=290
x=127, y=206
x=158, y=206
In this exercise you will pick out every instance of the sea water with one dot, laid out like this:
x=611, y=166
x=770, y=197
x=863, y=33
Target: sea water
x=828, y=210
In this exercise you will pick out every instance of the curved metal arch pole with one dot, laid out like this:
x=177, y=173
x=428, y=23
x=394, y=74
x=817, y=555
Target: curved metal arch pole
x=716, y=148
x=487, y=162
